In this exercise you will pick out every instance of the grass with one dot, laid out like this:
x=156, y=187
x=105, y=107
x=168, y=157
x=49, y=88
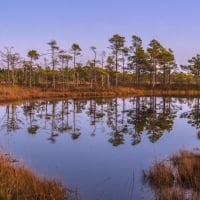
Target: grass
x=19, y=183
x=16, y=93
x=161, y=174
x=188, y=167
x=176, y=179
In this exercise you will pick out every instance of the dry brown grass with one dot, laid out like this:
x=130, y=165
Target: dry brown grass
x=166, y=193
x=188, y=167
x=178, y=178
x=19, y=183
x=16, y=93
x=160, y=174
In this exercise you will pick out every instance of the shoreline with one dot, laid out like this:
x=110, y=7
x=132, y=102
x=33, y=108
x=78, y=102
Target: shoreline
x=15, y=93
x=20, y=182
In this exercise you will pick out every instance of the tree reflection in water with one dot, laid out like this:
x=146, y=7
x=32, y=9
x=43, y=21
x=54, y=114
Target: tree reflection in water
x=118, y=118
x=11, y=119
x=193, y=115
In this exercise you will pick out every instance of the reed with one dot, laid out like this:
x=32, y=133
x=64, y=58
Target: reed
x=160, y=174
x=188, y=168
x=177, y=178
x=19, y=183
x=17, y=93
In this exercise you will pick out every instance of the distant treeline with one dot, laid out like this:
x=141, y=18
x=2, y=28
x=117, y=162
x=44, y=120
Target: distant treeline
x=131, y=66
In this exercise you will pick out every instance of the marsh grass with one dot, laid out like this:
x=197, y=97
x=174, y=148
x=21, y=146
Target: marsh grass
x=188, y=169
x=176, y=179
x=19, y=183
x=167, y=193
x=17, y=93
x=160, y=174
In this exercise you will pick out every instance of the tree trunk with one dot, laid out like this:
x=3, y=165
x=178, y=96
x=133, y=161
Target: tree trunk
x=116, y=65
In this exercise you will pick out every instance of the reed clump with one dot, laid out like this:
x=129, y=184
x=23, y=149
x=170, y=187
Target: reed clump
x=161, y=174
x=188, y=168
x=19, y=183
x=176, y=179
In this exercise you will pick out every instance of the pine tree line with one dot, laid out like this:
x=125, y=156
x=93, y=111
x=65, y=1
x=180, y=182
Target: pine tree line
x=122, y=65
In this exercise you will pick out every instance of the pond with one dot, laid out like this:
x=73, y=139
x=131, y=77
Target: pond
x=99, y=147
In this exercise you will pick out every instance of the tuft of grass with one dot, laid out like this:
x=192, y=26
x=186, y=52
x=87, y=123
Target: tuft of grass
x=160, y=174
x=177, y=178
x=17, y=182
x=167, y=193
x=188, y=169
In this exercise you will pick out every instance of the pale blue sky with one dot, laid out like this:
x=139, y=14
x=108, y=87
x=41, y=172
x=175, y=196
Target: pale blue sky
x=30, y=24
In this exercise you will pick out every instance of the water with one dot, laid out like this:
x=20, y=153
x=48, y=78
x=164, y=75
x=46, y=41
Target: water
x=99, y=147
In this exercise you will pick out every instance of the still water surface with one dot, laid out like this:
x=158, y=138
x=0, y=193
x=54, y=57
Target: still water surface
x=99, y=147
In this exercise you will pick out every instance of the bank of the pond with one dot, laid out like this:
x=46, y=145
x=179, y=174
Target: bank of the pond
x=18, y=182
x=16, y=93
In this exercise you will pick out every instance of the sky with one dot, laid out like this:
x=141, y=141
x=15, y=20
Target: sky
x=31, y=24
